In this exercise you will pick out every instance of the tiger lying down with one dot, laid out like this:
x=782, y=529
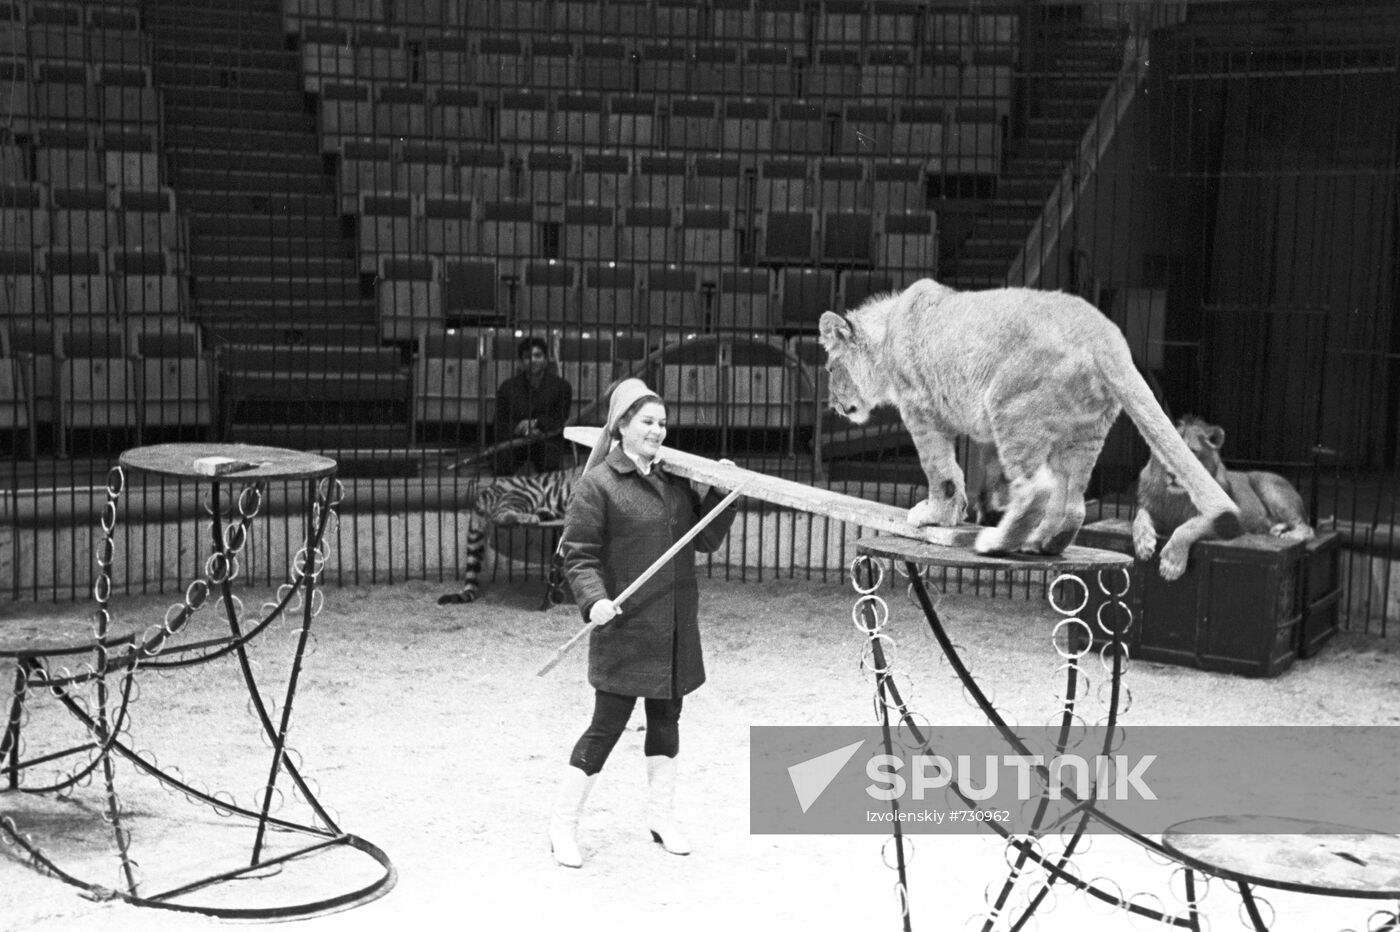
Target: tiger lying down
x=1040, y=374
x=509, y=501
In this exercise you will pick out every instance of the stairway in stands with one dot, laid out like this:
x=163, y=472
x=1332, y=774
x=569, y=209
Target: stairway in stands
x=1072, y=64
x=266, y=243
x=271, y=262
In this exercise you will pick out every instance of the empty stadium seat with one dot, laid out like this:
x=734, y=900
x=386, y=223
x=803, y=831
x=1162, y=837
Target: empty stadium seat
x=708, y=236
x=717, y=179
x=345, y=110
x=589, y=232
x=647, y=234
x=865, y=129
x=746, y=127
x=22, y=290
x=893, y=21
x=448, y=385
x=631, y=121
x=127, y=98
x=783, y=183
x=483, y=172
x=31, y=340
x=96, y=382
x=781, y=20
x=917, y=131
x=547, y=174
x=733, y=19
x=16, y=402
x=65, y=93
x=800, y=127
x=508, y=229
x=131, y=160
x=500, y=62
x=577, y=119
x=24, y=217
x=14, y=77
x=448, y=225
x=688, y=378
x=768, y=71
x=744, y=300
x=587, y=361
x=691, y=123
x=787, y=236
x=682, y=19
x=887, y=72
x=147, y=220
x=833, y=74
x=445, y=61
x=605, y=65
x=855, y=285
x=78, y=283
x=758, y=392
x=804, y=294
x=523, y=116
x=847, y=237
x=717, y=69
x=408, y=296
x=547, y=293
x=423, y=169
x=552, y=63
x=147, y=284
x=671, y=298
x=663, y=67
x=908, y=240
x=326, y=56
x=175, y=376
x=604, y=178
x=386, y=225
x=471, y=290
x=67, y=158
x=365, y=165
x=400, y=111
x=841, y=184
x=608, y=295
x=454, y=113
x=380, y=56
x=898, y=185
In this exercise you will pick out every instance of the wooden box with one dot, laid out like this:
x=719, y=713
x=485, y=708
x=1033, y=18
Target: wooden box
x=1248, y=606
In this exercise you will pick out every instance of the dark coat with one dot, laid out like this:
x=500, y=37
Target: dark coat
x=618, y=523
x=517, y=400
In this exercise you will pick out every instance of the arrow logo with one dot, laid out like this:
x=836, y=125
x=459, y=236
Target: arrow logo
x=811, y=777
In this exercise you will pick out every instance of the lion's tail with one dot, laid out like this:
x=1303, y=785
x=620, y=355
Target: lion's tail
x=1116, y=365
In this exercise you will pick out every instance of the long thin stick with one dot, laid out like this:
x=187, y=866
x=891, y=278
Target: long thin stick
x=648, y=573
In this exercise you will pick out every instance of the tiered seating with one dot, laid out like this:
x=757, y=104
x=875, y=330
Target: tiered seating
x=175, y=377
x=96, y=382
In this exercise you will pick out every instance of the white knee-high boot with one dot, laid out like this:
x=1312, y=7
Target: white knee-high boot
x=563, y=818
x=661, y=780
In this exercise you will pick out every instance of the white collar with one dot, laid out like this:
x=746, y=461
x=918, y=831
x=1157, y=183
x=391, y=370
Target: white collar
x=643, y=468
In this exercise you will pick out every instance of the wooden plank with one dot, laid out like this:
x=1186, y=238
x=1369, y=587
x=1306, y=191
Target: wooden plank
x=858, y=511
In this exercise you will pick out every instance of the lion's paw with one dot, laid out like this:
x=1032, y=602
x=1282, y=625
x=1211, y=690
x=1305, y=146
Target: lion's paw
x=1173, y=563
x=946, y=513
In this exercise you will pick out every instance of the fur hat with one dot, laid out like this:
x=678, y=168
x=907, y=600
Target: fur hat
x=626, y=393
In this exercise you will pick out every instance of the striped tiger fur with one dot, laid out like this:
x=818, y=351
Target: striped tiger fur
x=506, y=502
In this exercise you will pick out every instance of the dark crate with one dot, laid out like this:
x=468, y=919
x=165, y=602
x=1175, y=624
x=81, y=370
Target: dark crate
x=1322, y=592
x=1239, y=608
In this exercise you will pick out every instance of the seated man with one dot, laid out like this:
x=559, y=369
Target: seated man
x=533, y=403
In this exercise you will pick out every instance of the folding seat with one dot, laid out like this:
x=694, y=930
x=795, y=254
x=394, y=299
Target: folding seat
x=631, y=121
x=589, y=233
x=16, y=401
x=997, y=31
x=604, y=178
x=691, y=124
x=364, y=165
x=400, y=111
x=147, y=284
x=781, y=21
x=114, y=35
x=67, y=158
x=758, y=391
x=577, y=120
x=500, y=62
x=445, y=61
x=886, y=73
x=679, y=19
x=31, y=340
x=604, y=65
x=131, y=160
x=908, y=242
x=834, y=74
x=847, y=237
x=972, y=145
x=661, y=180
x=938, y=76
x=96, y=385
x=717, y=69
x=147, y=220
x=345, y=111
x=24, y=216
x=523, y=117
x=626, y=19
x=471, y=291
x=783, y=183
x=507, y=229
x=841, y=184
x=855, y=285
x=455, y=114
x=14, y=77
x=804, y=293
x=708, y=236
x=547, y=175
x=447, y=377
x=746, y=128
x=917, y=132
x=586, y=362
x=733, y=19
x=800, y=128
x=78, y=283
x=787, y=236
x=423, y=168
x=717, y=180
x=670, y=298
x=663, y=67
x=128, y=100
x=899, y=185
x=865, y=130
x=380, y=57
x=578, y=17
x=986, y=81
x=547, y=293
x=647, y=234
x=688, y=378
x=891, y=22
x=23, y=293
x=523, y=16
x=768, y=71
x=55, y=31
x=744, y=300
x=552, y=64
x=65, y=93
x=608, y=296
x=174, y=375
x=386, y=225
x=448, y=225
x=408, y=296
x=841, y=22
x=482, y=172
x=952, y=29
x=326, y=56
x=82, y=218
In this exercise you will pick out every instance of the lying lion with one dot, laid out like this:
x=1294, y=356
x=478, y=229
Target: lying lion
x=1268, y=503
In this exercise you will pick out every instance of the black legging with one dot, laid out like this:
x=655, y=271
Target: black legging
x=610, y=715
